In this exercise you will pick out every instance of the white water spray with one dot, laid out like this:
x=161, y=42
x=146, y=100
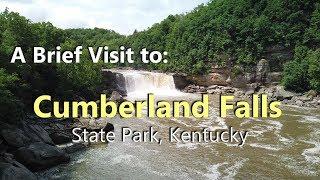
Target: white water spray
x=140, y=83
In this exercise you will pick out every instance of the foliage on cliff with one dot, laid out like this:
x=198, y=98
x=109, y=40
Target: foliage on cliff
x=303, y=73
x=236, y=33
x=227, y=32
x=10, y=105
x=21, y=83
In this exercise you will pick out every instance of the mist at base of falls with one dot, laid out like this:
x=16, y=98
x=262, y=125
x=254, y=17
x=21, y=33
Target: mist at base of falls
x=140, y=83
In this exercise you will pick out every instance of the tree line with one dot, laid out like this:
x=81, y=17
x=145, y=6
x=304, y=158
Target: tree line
x=236, y=34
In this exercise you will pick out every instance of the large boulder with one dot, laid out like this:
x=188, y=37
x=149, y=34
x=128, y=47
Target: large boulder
x=242, y=80
x=180, y=80
x=73, y=147
x=39, y=156
x=108, y=127
x=114, y=81
x=36, y=133
x=61, y=137
x=116, y=97
x=281, y=94
x=12, y=170
x=15, y=137
x=249, y=77
x=262, y=71
x=311, y=93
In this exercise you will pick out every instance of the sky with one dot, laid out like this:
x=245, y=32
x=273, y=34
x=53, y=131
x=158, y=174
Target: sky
x=121, y=16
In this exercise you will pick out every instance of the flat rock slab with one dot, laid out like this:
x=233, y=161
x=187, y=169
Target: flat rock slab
x=39, y=156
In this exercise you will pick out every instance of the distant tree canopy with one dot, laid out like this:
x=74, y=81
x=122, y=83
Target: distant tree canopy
x=221, y=32
x=236, y=33
x=230, y=32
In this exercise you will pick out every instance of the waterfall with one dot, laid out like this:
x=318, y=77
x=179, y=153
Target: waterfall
x=140, y=83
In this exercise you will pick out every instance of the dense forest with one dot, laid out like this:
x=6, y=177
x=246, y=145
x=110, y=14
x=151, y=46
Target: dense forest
x=229, y=33
x=21, y=84
x=238, y=34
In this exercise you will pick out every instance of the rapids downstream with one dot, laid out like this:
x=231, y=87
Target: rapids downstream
x=285, y=148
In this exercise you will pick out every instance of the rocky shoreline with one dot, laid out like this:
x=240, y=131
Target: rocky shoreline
x=34, y=145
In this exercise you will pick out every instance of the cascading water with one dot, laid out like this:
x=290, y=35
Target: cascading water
x=140, y=83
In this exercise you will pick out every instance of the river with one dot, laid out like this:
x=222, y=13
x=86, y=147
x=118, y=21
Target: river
x=283, y=148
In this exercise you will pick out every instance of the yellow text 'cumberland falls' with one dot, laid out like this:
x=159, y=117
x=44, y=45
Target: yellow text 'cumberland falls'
x=260, y=107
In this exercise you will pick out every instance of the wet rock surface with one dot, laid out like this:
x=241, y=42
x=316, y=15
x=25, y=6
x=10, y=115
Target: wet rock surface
x=39, y=156
x=31, y=145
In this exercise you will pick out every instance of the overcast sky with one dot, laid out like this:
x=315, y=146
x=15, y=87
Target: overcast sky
x=122, y=16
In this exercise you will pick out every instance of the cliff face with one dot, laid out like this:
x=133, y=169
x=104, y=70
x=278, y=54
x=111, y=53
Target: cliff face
x=226, y=77
x=113, y=81
x=277, y=55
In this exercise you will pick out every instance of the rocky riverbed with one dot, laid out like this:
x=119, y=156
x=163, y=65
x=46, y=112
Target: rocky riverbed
x=308, y=99
x=260, y=80
x=34, y=145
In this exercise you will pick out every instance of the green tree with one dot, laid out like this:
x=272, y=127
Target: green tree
x=11, y=107
x=314, y=69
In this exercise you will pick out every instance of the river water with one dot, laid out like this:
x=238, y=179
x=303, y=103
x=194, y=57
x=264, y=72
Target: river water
x=283, y=148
